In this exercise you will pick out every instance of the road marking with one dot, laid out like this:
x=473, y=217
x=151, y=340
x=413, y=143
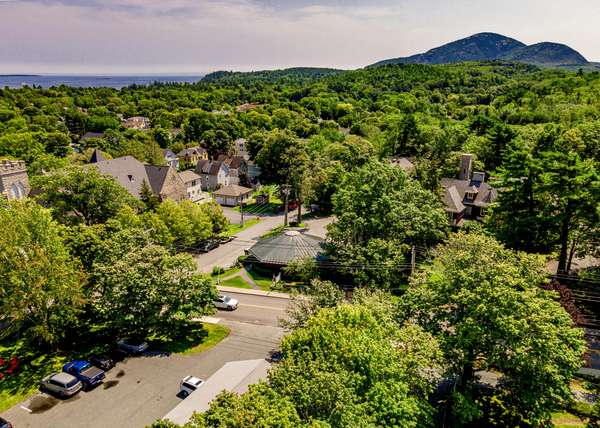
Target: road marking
x=272, y=308
x=26, y=409
x=209, y=320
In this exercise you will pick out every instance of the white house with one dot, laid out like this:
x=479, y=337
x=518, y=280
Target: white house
x=193, y=185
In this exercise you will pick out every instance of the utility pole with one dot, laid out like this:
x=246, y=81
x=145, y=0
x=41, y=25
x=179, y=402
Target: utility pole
x=242, y=211
x=286, y=192
x=413, y=260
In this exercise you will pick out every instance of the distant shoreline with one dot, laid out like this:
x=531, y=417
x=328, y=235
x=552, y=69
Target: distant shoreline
x=16, y=81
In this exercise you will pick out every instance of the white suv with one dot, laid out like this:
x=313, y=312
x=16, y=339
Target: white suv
x=62, y=384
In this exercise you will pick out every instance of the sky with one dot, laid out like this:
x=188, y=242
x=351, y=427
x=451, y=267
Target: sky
x=199, y=36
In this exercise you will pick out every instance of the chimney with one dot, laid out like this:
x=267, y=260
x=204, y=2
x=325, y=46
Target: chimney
x=478, y=178
x=466, y=163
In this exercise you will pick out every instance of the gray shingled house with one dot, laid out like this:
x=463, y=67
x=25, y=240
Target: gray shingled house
x=467, y=197
x=131, y=173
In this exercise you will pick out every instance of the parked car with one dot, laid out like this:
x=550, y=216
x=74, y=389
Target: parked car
x=226, y=239
x=62, y=384
x=102, y=362
x=89, y=375
x=188, y=385
x=208, y=245
x=5, y=424
x=226, y=302
x=132, y=346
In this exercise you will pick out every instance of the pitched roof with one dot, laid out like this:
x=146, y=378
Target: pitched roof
x=192, y=151
x=453, y=200
x=97, y=156
x=157, y=176
x=203, y=166
x=215, y=167
x=127, y=170
x=484, y=193
x=234, y=162
x=404, y=163
x=233, y=190
x=188, y=176
x=286, y=247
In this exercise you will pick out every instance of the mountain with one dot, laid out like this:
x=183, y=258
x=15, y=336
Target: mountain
x=547, y=53
x=492, y=46
x=479, y=47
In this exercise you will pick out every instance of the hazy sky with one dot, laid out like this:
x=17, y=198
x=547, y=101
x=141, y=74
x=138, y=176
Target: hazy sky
x=194, y=36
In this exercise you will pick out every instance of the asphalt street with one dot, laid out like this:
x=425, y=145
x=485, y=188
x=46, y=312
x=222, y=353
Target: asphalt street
x=141, y=390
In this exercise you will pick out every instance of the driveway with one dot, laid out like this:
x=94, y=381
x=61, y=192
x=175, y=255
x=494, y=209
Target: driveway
x=141, y=390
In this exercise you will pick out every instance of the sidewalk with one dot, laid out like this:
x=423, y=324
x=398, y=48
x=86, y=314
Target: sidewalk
x=273, y=294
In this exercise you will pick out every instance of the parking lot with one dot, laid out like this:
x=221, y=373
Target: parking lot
x=142, y=389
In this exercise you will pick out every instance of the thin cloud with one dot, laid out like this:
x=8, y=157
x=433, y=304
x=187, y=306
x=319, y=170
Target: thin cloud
x=152, y=36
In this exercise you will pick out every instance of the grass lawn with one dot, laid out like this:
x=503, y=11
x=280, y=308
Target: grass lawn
x=254, y=209
x=199, y=338
x=566, y=420
x=263, y=281
x=236, y=281
x=228, y=272
x=273, y=232
x=232, y=229
x=24, y=382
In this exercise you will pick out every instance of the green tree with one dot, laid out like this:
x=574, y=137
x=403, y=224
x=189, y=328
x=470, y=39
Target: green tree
x=214, y=211
x=82, y=195
x=261, y=406
x=318, y=295
x=139, y=288
x=485, y=305
x=352, y=363
x=380, y=213
x=40, y=282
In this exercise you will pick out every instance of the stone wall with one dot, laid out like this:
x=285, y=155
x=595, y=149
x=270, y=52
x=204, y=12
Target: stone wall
x=14, y=182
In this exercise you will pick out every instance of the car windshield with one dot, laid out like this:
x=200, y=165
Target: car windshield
x=84, y=367
x=72, y=383
x=226, y=299
x=189, y=385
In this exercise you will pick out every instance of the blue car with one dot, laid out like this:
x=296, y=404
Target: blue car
x=84, y=371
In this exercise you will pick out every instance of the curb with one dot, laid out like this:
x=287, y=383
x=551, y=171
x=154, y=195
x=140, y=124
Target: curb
x=273, y=294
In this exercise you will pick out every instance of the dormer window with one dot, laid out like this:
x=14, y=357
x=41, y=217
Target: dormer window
x=470, y=196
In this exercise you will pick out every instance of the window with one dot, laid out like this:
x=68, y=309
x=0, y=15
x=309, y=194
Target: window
x=469, y=196
x=131, y=178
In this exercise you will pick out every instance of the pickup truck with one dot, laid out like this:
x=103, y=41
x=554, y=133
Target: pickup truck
x=89, y=375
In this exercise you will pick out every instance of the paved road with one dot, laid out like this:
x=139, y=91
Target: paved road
x=141, y=390
x=256, y=310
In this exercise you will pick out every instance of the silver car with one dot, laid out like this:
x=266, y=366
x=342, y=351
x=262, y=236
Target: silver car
x=225, y=302
x=62, y=384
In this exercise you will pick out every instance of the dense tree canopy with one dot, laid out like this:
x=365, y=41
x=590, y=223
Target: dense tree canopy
x=41, y=290
x=380, y=214
x=485, y=305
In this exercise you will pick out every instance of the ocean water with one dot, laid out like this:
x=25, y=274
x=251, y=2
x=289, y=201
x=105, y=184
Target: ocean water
x=118, y=82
